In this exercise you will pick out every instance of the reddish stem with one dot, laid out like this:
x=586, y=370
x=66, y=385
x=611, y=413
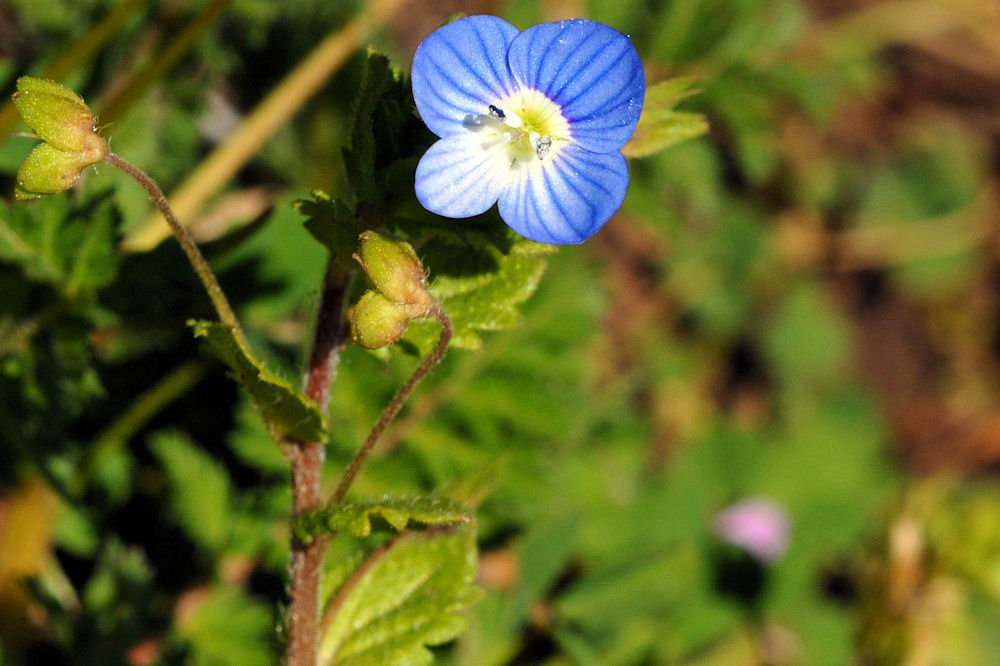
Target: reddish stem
x=306, y=563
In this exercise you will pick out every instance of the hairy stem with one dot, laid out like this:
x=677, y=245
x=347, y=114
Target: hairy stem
x=389, y=413
x=306, y=563
x=194, y=255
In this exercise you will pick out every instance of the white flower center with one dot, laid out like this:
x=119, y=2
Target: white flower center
x=530, y=124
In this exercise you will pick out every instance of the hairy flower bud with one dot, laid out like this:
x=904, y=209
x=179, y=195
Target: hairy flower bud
x=394, y=269
x=377, y=322
x=61, y=119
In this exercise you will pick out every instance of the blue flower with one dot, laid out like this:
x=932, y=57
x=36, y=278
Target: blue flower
x=533, y=121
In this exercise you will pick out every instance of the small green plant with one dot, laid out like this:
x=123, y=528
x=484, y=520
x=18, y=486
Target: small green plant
x=406, y=578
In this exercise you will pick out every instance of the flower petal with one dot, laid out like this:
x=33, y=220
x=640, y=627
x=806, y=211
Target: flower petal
x=462, y=176
x=591, y=71
x=565, y=199
x=459, y=70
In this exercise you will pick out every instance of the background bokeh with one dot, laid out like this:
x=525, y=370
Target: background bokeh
x=802, y=306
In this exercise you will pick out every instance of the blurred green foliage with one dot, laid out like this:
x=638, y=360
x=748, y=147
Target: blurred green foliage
x=800, y=305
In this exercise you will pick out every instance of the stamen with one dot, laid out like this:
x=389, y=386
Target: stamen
x=541, y=144
x=497, y=113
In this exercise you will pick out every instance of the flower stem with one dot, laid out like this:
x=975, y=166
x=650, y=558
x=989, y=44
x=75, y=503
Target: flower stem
x=305, y=566
x=201, y=267
x=389, y=413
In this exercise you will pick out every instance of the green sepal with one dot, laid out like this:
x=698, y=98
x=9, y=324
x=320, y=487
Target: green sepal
x=356, y=519
x=32, y=84
x=377, y=322
x=410, y=593
x=660, y=126
x=48, y=170
x=55, y=113
x=394, y=268
x=61, y=119
x=287, y=412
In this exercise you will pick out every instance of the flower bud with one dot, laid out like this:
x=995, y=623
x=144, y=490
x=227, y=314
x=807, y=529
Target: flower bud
x=62, y=120
x=394, y=269
x=378, y=322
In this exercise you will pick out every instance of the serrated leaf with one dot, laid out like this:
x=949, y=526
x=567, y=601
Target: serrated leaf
x=397, y=511
x=95, y=260
x=386, y=135
x=54, y=242
x=409, y=594
x=660, y=126
x=360, y=157
x=333, y=224
x=483, y=301
x=287, y=411
x=200, y=490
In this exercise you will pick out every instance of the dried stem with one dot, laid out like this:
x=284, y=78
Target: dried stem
x=306, y=563
x=201, y=267
x=428, y=362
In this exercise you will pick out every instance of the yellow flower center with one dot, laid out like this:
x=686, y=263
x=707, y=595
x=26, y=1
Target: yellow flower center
x=531, y=124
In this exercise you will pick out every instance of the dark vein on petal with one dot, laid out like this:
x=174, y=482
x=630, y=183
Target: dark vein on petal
x=571, y=50
x=587, y=86
x=464, y=60
x=489, y=61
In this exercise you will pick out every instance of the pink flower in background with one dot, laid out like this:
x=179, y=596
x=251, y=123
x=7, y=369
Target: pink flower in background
x=757, y=525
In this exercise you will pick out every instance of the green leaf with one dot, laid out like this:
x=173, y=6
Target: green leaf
x=656, y=599
x=668, y=94
x=200, y=490
x=386, y=134
x=228, y=627
x=75, y=531
x=487, y=300
x=286, y=411
x=660, y=126
x=360, y=157
x=71, y=247
x=253, y=445
x=406, y=595
x=397, y=511
x=809, y=340
x=333, y=224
